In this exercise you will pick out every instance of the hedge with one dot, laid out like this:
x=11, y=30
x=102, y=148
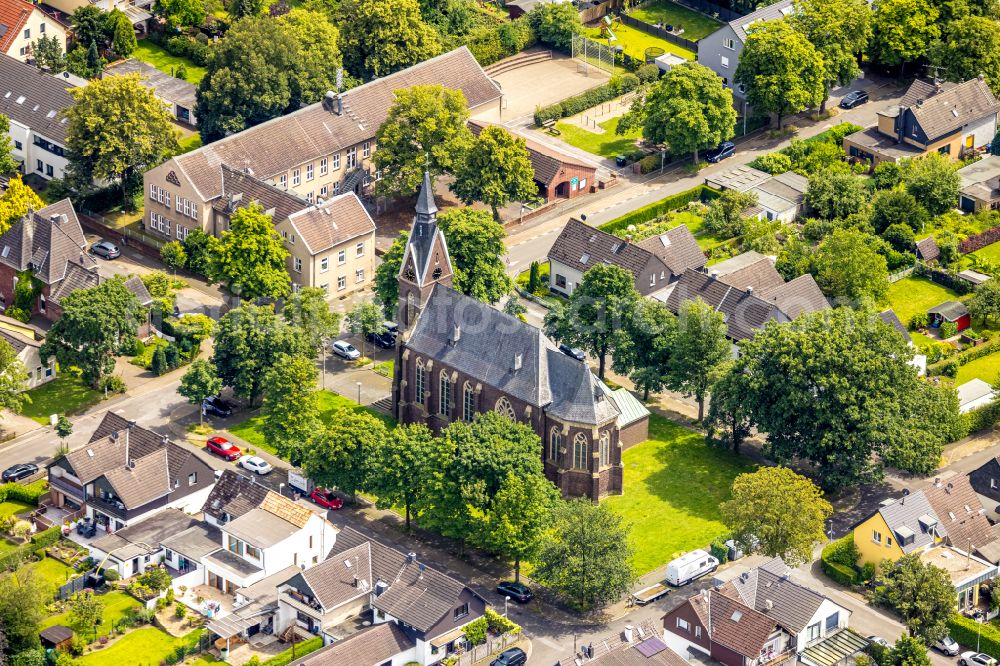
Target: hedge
x=617, y=86
x=944, y=278
x=701, y=193
x=977, y=352
x=833, y=561
x=979, y=241
x=301, y=650
x=965, y=630
x=29, y=494
x=24, y=552
x=982, y=418
x=492, y=44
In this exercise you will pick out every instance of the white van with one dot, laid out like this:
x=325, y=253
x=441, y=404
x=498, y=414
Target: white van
x=689, y=566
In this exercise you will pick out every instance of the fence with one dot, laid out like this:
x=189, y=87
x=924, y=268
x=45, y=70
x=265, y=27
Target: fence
x=659, y=32
x=75, y=586
x=595, y=12
x=905, y=273
x=145, y=243
x=482, y=652
x=594, y=53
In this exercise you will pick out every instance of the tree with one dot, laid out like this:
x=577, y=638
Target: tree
x=86, y=609
x=386, y=283
x=178, y=13
x=903, y=31
x=699, y=349
x=89, y=26
x=781, y=71
x=688, y=109
x=900, y=237
x=849, y=270
x=835, y=193
x=758, y=514
x=379, y=37
x=7, y=163
x=23, y=596
x=64, y=427
x=291, y=406
x=47, y=52
x=534, y=277
x=836, y=388
x=197, y=247
x=249, y=340
x=651, y=331
x=364, y=319
x=13, y=377
x=94, y=325
x=246, y=8
x=520, y=514
x=515, y=308
x=970, y=47
x=340, y=455
x=933, y=182
x=594, y=316
x=586, y=556
x=908, y=651
x=555, y=25
x=921, y=594
x=405, y=465
x=425, y=130
x=892, y=207
x=725, y=213
x=476, y=247
x=16, y=201
x=173, y=255
x=887, y=175
x=308, y=311
x=250, y=257
x=986, y=301
x=116, y=130
x=200, y=382
x=158, y=365
x=319, y=42
x=495, y=170
x=728, y=421
x=122, y=33
x=841, y=31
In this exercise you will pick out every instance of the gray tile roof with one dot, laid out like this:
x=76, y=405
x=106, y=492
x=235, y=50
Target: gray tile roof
x=77, y=277
x=138, y=287
x=576, y=394
x=235, y=495
x=45, y=97
x=791, y=605
x=950, y=310
x=745, y=313
x=927, y=249
x=773, y=12
x=889, y=317
x=166, y=87
x=111, y=448
x=581, y=246
x=152, y=532
x=677, y=249
x=239, y=189
x=341, y=578
x=332, y=222
x=49, y=241
x=373, y=645
x=796, y=297
x=260, y=528
x=940, y=111
x=141, y=482
x=749, y=269
x=906, y=512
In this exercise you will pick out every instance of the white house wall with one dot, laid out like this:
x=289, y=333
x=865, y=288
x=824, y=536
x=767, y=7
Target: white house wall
x=826, y=609
x=572, y=275
x=983, y=131
x=30, y=154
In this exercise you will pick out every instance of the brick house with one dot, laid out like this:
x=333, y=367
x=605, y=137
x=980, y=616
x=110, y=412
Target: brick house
x=459, y=357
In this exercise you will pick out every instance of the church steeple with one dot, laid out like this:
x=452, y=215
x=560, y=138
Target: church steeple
x=426, y=207
x=425, y=260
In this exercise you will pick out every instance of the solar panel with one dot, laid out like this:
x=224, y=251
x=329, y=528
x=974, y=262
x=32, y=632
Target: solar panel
x=651, y=647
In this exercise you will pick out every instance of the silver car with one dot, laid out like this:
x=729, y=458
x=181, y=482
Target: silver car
x=947, y=645
x=105, y=249
x=345, y=349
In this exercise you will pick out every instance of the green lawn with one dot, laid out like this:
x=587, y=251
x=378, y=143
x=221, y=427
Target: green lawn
x=916, y=294
x=696, y=25
x=330, y=404
x=10, y=507
x=52, y=571
x=986, y=368
x=673, y=486
x=635, y=42
x=66, y=394
x=148, y=645
x=115, y=605
x=385, y=368
x=190, y=143
x=158, y=57
x=608, y=144
x=990, y=253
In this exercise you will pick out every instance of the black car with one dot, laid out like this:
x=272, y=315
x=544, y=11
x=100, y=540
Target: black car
x=86, y=528
x=511, y=657
x=573, y=352
x=216, y=406
x=519, y=592
x=853, y=99
x=384, y=340
x=18, y=472
x=725, y=149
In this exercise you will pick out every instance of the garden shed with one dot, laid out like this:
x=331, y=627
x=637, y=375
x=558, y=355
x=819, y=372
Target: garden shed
x=950, y=311
x=57, y=637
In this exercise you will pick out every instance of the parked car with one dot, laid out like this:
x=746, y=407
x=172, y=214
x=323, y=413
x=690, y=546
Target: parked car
x=384, y=340
x=346, y=350
x=573, y=351
x=255, y=464
x=18, y=472
x=326, y=498
x=511, y=657
x=878, y=640
x=391, y=327
x=725, y=149
x=689, y=566
x=519, y=592
x=976, y=659
x=853, y=99
x=86, y=528
x=216, y=406
x=947, y=645
x=221, y=446
x=105, y=249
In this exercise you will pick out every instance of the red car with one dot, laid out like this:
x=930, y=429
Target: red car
x=325, y=498
x=223, y=447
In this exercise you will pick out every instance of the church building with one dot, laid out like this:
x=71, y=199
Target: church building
x=458, y=357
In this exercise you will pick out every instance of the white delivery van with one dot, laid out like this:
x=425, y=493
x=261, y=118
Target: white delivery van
x=299, y=482
x=689, y=566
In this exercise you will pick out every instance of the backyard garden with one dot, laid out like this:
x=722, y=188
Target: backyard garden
x=686, y=23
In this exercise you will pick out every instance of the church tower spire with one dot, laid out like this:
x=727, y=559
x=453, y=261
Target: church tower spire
x=425, y=260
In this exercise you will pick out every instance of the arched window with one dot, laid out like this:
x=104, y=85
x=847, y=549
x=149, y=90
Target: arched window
x=605, y=449
x=504, y=408
x=580, y=451
x=444, y=394
x=421, y=383
x=468, y=402
x=555, y=443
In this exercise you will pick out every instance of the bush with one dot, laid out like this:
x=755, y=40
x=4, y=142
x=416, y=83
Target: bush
x=499, y=624
x=982, y=418
x=77, y=645
x=772, y=163
x=302, y=649
x=17, y=313
x=111, y=575
x=617, y=86
x=661, y=207
x=648, y=73
x=650, y=163
x=113, y=384
x=475, y=631
x=491, y=44
x=868, y=571
x=155, y=578
x=965, y=630
x=719, y=549
x=180, y=611
x=948, y=329
x=839, y=560
x=919, y=320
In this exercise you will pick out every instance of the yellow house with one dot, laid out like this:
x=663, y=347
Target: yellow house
x=898, y=528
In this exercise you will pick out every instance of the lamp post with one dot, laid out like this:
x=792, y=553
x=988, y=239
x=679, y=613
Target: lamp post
x=505, y=602
x=359, y=393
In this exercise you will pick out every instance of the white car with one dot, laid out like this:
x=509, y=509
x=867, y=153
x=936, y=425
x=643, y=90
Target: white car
x=976, y=659
x=255, y=464
x=346, y=350
x=878, y=640
x=947, y=645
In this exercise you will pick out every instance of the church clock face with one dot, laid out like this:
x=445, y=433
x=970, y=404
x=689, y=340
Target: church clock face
x=409, y=274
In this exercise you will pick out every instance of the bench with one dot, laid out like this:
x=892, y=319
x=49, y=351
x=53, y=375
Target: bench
x=550, y=126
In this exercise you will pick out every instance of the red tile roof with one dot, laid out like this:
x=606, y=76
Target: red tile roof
x=13, y=17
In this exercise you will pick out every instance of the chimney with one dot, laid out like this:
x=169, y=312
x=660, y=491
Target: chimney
x=715, y=274
x=456, y=333
x=338, y=105
x=920, y=103
x=411, y=558
x=517, y=362
x=628, y=633
x=328, y=100
x=750, y=290
x=55, y=219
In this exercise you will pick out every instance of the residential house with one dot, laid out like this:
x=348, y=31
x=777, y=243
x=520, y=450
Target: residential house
x=947, y=118
x=34, y=102
x=127, y=473
x=580, y=246
x=137, y=11
x=985, y=481
x=385, y=644
x=458, y=357
x=316, y=152
x=637, y=645
x=927, y=250
x=721, y=50
x=980, y=185
x=331, y=243
x=919, y=361
x=761, y=617
x=22, y=23
x=973, y=394
x=23, y=339
x=178, y=95
x=952, y=312
x=131, y=550
x=779, y=197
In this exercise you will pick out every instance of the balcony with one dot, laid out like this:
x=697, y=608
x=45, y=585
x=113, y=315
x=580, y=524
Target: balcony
x=303, y=603
x=67, y=487
x=110, y=506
